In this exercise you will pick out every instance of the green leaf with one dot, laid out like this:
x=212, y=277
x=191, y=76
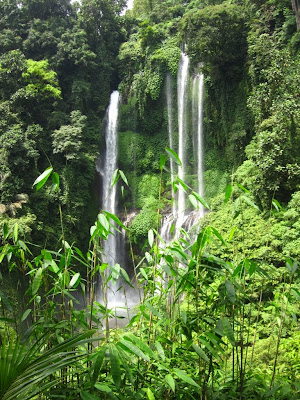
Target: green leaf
x=174, y=156
x=42, y=179
x=103, y=222
x=200, y=199
x=36, y=283
x=124, y=179
x=131, y=348
x=114, y=218
x=142, y=345
x=227, y=329
x=230, y=291
x=193, y=201
x=74, y=280
x=160, y=350
x=200, y=352
x=242, y=187
x=15, y=232
x=126, y=277
x=143, y=272
x=218, y=235
x=150, y=394
x=231, y=234
x=102, y=388
x=150, y=237
x=125, y=365
x=88, y=396
x=153, y=310
x=25, y=315
x=185, y=377
x=115, y=177
x=115, y=366
x=55, y=180
x=98, y=364
x=276, y=205
x=170, y=381
x=228, y=192
x=162, y=162
x=250, y=202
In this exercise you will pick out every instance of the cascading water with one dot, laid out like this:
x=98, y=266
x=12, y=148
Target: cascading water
x=170, y=131
x=113, y=245
x=109, y=198
x=182, y=94
x=200, y=140
x=185, y=220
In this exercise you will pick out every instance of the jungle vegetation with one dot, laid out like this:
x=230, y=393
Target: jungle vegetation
x=218, y=310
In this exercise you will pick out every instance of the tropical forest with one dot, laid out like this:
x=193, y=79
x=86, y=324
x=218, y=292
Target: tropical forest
x=149, y=199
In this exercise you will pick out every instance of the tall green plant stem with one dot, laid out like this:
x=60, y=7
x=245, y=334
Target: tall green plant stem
x=282, y=320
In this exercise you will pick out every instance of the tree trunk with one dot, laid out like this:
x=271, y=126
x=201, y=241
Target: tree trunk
x=296, y=8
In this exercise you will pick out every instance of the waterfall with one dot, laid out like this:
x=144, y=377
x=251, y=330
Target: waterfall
x=170, y=131
x=183, y=219
x=200, y=140
x=182, y=95
x=109, y=194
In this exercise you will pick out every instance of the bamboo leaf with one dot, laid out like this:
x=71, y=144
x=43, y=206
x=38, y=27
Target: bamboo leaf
x=98, y=364
x=55, y=181
x=242, y=187
x=150, y=237
x=250, y=202
x=231, y=234
x=160, y=350
x=173, y=155
x=114, y=218
x=37, y=281
x=185, y=377
x=42, y=179
x=227, y=329
x=115, y=366
x=200, y=199
x=142, y=345
x=150, y=394
x=200, y=352
x=230, y=291
x=276, y=205
x=170, y=381
x=131, y=348
x=115, y=178
x=162, y=162
x=103, y=222
x=124, y=179
x=102, y=388
x=87, y=396
x=74, y=280
x=228, y=192
x=25, y=315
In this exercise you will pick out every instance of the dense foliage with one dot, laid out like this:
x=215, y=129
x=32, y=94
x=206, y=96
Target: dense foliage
x=218, y=309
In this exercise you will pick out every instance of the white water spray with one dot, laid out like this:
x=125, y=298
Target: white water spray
x=182, y=93
x=171, y=132
x=199, y=86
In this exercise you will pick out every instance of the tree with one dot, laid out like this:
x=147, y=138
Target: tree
x=67, y=139
x=296, y=8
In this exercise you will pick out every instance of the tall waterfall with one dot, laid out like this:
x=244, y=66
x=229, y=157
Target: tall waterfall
x=200, y=139
x=170, y=131
x=182, y=95
x=186, y=118
x=198, y=89
x=109, y=198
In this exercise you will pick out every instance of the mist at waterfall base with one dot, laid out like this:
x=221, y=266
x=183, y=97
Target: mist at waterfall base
x=121, y=296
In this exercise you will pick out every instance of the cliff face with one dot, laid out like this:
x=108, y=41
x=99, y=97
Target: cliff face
x=249, y=55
